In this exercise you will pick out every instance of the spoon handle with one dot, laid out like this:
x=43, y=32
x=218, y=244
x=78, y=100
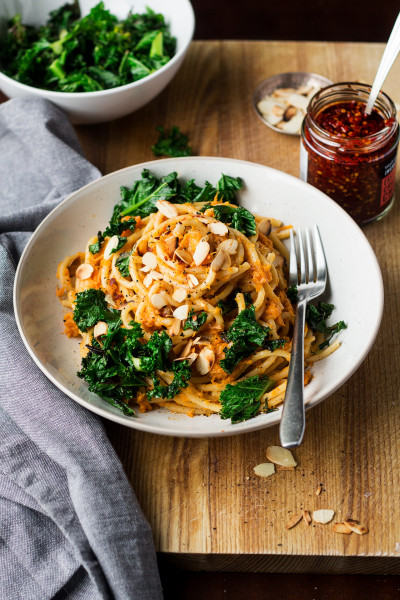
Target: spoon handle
x=388, y=58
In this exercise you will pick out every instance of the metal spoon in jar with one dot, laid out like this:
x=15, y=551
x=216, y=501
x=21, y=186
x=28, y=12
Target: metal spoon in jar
x=388, y=58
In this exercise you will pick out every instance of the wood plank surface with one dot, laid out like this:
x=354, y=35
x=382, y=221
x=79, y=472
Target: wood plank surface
x=206, y=507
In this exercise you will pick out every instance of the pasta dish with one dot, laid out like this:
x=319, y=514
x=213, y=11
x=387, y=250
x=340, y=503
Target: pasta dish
x=183, y=303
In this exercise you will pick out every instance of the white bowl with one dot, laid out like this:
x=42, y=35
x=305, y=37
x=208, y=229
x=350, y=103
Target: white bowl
x=106, y=105
x=355, y=282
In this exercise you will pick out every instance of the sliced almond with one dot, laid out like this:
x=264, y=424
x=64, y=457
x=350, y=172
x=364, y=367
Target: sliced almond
x=289, y=113
x=190, y=357
x=181, y=312
x=265, y=227
x=306, y=517
x=150, y=260
x=277, y=110
x=111, y=247
x=229, y=246
x=158, y=300
x=192, y=280
x=318, y=490
x=100, y=328
x=175, y=327
x=201, y=252
x=341, y=528
x=281, y=456
x=156, y=275
x=148, y=280
x=264, y=469
x=218, y=228
x=110, y=300
x=171, y=243
x=145, y=269
x=179, y=229
x=294, y=520
x=356, y=526
x=184, y=255
x=167, y=209
x=205, y=361
x=221, y=261
x=179, y=295
x=186, y=350
x=84, y=271
x=323, y=516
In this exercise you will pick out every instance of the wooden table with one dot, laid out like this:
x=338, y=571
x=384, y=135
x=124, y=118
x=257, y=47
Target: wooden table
x=207, y=508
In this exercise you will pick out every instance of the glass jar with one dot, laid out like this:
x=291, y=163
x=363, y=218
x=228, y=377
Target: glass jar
x=348, y=155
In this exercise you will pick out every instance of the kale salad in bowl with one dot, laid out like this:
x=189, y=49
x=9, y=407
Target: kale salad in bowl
x=96, y=60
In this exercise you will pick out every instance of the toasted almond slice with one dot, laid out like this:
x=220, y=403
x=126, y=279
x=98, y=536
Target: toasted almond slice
x=184, y=255
x=218, y=228
x=294, y=520
x=179, y=295
x=229, y=246
x=146, y=269
x=171, y=243
x=111, y=246
x=110, y=300
x=179, y=229
x=264, y=469
x=281, y=456
x=148, y=280
x=205, y=361
x=356, y=526
x=192, y=280
x=289, y=113
x=150, y=260
x=201, y=252
x=84, y=271
x=175, y=327
x=265, y=227
x=298, y=101
x=181, y=312
x=158, y=300
x=167, y=209
x=100, y=328
x=306, y=517
x=156, y=275
x=341, y=528
x=190, y=357
x=318, y=490
x=186, y=350
x=325, y=515
x=277, y=110
x=221, y=261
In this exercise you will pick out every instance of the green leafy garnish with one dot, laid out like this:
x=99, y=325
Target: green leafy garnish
x=182, y=374
x=292, y=294
x=122, y=263
x=227, y=187
x=171, y=143
x=238, y=217
x=195, y=320
x=88, y=54
x=91, y=307
x=246, y=334
x=242, y=400
x=316, y=318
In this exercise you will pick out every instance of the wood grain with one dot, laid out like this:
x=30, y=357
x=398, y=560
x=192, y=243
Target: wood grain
x=201, y=497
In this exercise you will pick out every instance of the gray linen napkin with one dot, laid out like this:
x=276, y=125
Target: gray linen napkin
x=70, y=525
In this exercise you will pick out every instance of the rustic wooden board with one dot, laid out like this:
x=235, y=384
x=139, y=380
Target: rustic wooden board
x=201, y=497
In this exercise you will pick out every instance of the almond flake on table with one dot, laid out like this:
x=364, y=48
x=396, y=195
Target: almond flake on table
x=294, y=520
x=281, y=456
x=324, y=515
x=264, y=469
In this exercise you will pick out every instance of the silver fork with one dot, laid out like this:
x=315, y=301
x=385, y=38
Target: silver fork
x=308, y=272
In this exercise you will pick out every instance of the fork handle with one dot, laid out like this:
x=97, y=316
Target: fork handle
x=293, y=415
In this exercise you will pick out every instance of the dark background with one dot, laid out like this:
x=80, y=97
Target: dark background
x=327, y=20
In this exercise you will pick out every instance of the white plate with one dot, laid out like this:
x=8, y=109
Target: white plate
x=355, y=282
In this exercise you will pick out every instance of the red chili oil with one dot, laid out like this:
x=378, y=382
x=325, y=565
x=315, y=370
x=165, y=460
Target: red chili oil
x=349, y=155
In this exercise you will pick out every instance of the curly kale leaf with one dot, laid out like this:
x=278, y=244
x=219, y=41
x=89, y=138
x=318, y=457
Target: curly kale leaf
x=171, y=143
x=238, y=217
x=316, y=318
x=195, y=320
x=182, y=374
x=91, y=307
x=242, y=400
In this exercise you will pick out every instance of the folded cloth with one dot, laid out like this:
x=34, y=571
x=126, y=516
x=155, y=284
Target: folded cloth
x=70, y=525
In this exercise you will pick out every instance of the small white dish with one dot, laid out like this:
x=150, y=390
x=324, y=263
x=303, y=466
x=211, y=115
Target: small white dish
x=355, y=283
x=295, y=80
x=105, y=105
